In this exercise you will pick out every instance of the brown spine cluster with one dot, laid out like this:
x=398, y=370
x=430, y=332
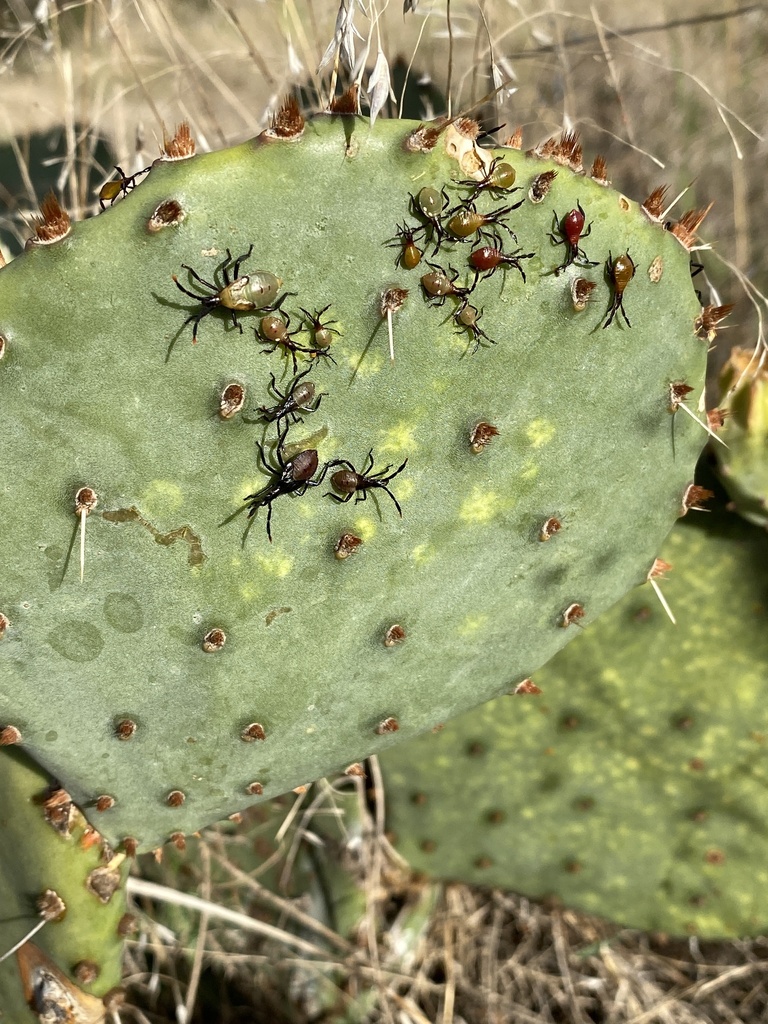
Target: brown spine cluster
x=169, y=213
x=395, y=635
x=693, y=498
x=481, y=436
x=346, y=103
x=515, y=140
x=685, y=229
x=231, y=400
x=599, y=171
x=709, y=319
x=424, y=138
x=9, y=736
x=467, y=127
x=253, y=732
x=571, y=615
x=125, y=729
x=179, y=146
x=288, y=122
x=53, y=222
x=564, y=149
x=346, y=545
x=540, y=186
x=656, y=203
x=214, y=640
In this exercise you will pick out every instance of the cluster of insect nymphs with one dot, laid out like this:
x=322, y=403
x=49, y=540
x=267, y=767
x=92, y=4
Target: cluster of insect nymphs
x=259, y=291
x=443, y=224
x=296, y=474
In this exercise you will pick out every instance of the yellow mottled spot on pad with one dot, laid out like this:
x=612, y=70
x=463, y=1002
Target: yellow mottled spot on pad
x=161, y=497
x=398, y=440
x=248, y=592
x=529, y=471
x=402, y=488
x=480, y=507
x=540, y=432
x=472, y=624
x=366, y=366
x=609, y=675
x=290, y=451
x=275, y=564
x=423, y=553
x=527, y=812
x=365, y=528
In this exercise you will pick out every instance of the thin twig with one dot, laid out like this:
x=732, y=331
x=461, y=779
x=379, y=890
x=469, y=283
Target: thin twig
x=140, y=887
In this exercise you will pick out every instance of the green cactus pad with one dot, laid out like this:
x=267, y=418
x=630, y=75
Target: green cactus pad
x=101, y=387
x=46, y=847
x=744, y=462
x=634, y=785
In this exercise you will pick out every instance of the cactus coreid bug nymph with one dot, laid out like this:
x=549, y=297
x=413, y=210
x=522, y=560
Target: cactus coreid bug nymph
x=569, y=231
x=349, y=482
x=466, y=317
x=438, y=286
x=122, y=185
x=620, y=271
x=410, y=254
x=322, y=334
x=488, y=259
x=429, y=204
x=293, y=476
x=274, y=331
x=499, y=178
x=467, y=221
x=239, y=294
x=297, y=399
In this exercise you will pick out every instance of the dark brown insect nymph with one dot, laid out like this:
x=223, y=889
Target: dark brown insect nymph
x=293, y=476
x=299, y=398
x=349, y=482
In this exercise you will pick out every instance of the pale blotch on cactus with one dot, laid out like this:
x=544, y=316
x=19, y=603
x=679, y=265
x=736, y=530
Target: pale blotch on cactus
x=743, y=426
x=630, y=780
x=114, y=683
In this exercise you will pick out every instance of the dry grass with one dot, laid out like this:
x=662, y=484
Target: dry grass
x=665, y=99
x=418, y=952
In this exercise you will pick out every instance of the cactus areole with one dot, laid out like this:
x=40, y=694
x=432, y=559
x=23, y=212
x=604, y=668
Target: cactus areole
x=159, y=648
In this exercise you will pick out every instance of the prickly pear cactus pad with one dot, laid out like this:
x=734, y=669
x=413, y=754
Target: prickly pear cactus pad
x=634, y=785
x=245, y=621
x=56, y=872
x=744, y=463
